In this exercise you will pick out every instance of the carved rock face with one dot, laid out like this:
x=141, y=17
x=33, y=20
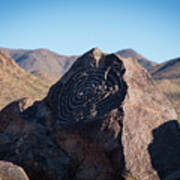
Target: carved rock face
x=91, y=89
x=86, y=106
x=97, y=122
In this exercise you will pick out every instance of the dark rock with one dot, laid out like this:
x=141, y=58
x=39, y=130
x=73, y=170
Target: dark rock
x=95, y=123
x=10, y=116
x=164, y=150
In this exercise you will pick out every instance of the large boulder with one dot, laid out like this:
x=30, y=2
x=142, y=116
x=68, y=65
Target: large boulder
x=100, y=121
x=146, y=111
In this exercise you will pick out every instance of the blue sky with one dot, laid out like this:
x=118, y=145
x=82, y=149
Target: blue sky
x=73, y=27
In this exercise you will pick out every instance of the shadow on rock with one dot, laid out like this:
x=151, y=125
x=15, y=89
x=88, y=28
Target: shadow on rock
x=165, y=150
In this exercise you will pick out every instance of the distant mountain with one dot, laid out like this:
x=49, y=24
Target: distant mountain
x=51, y=62
x=16, y=83
x=168, y=70
x=41, y=59
x=133, y=54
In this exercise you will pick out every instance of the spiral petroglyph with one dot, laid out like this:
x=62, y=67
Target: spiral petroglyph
x=91, y=90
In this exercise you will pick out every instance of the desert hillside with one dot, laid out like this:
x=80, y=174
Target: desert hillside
x=167, y=70
x=167, y=77
x=50, y=78
x=16, y=83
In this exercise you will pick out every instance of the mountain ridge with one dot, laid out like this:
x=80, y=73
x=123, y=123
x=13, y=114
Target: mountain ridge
x=52, y=62
x=169, y=69
x=40, y=59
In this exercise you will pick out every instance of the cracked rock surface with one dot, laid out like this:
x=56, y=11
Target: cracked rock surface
x=99, y=121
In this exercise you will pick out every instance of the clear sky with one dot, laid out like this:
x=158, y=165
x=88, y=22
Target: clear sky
x=151, y=27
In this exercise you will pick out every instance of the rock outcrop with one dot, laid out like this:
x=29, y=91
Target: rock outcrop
x=146, y=109
x=97, y=123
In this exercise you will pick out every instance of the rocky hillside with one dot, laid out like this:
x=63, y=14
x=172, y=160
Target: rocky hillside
x=130, y=53
x=50, y=78
x=167, y=70
x=105, y=119
x=16, y=83
x=171, y=88
x=167, y=76
x=41, y=59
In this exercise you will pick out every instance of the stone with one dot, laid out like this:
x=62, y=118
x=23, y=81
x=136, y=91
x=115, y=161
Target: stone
x=10, y=116
x=99, y=121
x=145, y=109
x=9, y=171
